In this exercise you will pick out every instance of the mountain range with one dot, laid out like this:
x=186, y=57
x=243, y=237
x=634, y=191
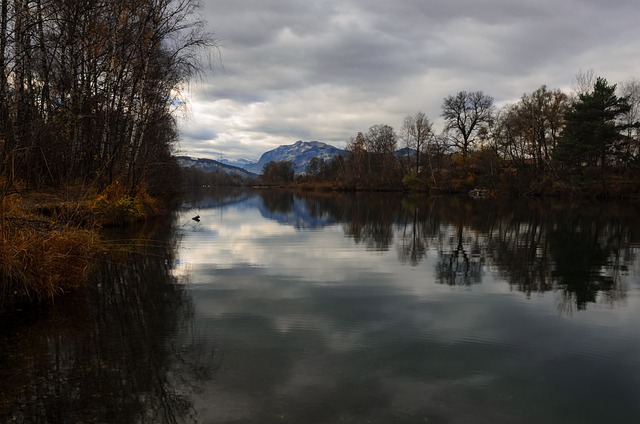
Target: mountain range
x=238, y=163
x=210, y=165
x=300, y=154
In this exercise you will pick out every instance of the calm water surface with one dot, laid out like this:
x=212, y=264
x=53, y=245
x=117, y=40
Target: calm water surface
x=283, y=308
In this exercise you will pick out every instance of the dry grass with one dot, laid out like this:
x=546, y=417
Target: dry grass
x=48, y=241
x=111, y=208
x=38, y=263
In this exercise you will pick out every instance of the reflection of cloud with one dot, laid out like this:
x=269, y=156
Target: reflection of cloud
x=237, y=236
x=242, y=237
x=307, y=319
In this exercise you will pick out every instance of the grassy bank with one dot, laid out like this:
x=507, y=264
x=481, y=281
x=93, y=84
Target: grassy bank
x=49, y=240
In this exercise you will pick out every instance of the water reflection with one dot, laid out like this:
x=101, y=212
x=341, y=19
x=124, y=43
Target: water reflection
x=388, y=309
x=344, y=308
x=578, y=250
x=124, y=350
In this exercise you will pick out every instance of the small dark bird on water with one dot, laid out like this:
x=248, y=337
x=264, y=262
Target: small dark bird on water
x=196, y=218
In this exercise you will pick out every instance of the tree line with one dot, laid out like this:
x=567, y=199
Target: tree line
x=88, y=89
x=548, y=142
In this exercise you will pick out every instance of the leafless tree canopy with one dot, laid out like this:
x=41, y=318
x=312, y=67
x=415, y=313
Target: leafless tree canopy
x=88, y=88
x=466, y=116
x=418, y=130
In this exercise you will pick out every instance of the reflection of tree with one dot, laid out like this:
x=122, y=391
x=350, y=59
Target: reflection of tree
x=578, y=251
x=114, y=353
x=411, y=247
x=457, y=266
x=536, y=246
x=369, y=220
x=446, y=226
x=586, y=259
x=518, y=247
x=278, y=201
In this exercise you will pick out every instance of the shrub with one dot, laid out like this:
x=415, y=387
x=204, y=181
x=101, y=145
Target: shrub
x=414, y=183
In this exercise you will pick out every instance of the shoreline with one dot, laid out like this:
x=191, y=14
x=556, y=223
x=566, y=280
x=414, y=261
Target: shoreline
x=49, y=240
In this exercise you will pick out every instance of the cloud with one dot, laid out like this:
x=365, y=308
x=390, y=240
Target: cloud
x=326, y=70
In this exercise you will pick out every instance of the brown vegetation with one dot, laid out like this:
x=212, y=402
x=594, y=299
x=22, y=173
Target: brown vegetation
x=49, y=240
x=38, y=265
x=87, y=96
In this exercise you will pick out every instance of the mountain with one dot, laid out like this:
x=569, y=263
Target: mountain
x=238, y=163
x=210, y=165
x=404, y=152
x=300, y=154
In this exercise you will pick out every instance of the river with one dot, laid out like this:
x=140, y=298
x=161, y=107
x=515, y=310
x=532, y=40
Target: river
x=277, y=307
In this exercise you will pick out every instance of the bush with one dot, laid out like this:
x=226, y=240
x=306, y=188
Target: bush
x=414, y=183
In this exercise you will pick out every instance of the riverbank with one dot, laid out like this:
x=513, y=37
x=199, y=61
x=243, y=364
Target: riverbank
x=49, y=240
x=625, y=187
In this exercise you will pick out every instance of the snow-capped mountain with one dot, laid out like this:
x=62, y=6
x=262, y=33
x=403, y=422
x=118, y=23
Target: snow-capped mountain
x=210, y=165
x=300, y=154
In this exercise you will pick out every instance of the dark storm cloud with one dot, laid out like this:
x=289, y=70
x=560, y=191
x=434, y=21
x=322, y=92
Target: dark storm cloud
x=325, y=70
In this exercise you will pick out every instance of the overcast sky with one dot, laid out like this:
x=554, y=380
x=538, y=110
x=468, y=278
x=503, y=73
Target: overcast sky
x=323, y=70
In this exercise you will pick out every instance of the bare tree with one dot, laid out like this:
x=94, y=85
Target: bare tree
x=358, y=159
x=583, y=82
x=631, y=120
x=466, y=117
x=418, y=130
x=380, y=143
x=87, y=88
x=4, y=94
x=381, y=139
x=534, y=125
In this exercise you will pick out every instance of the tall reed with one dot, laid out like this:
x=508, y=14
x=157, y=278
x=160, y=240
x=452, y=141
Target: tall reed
x=49, y=241
x=37, y=265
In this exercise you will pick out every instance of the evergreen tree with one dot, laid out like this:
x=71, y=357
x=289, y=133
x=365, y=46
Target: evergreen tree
x=592, y=135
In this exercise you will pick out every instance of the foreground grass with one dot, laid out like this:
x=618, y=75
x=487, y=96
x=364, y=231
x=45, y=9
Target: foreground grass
x=50, y=240
x=37, y=265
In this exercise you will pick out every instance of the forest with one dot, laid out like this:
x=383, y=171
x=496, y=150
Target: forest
x=88, y=96
x=549, y=143
x=88, y=90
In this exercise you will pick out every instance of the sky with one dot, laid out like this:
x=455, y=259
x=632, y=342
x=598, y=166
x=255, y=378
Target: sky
x=293, y=70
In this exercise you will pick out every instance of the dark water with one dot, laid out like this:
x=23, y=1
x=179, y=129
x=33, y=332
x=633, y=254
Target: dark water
x=281, y=308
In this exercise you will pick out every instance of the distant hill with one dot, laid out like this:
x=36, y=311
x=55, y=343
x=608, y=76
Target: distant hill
x=210, y=165
x=404, y=152
x=300, y=154
x=238, y=163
